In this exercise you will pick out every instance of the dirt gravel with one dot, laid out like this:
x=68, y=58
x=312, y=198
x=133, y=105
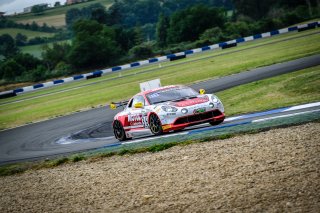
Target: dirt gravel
x=273, y=171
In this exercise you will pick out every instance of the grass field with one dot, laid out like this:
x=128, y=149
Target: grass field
x=285, y=90
x=50, y=20
x=30, y=34
x=36, y=50
x=55, y=16
x=213, y=64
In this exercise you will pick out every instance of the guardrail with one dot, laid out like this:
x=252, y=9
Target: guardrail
x=171, y=57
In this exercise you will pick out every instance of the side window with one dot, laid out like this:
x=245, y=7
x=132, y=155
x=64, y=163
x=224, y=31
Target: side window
x=138, y=99
x=135, y=100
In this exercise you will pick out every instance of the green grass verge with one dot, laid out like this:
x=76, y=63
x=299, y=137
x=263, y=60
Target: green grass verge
x=55, y=16
x=213, y=65
x=285, y=90
x=30, y=34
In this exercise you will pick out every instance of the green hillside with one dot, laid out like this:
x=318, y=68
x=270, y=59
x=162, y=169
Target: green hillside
x=55, y=16
x=30, y=34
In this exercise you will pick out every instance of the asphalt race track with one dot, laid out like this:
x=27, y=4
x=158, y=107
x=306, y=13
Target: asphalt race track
x=44, y=139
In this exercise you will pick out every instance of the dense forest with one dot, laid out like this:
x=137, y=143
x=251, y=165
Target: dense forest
x=130, y=30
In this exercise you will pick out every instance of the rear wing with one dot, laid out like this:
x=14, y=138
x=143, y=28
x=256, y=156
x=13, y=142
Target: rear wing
x=115, y=105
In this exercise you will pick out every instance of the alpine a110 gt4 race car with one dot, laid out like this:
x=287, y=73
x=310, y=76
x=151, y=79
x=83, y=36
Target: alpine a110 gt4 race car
x=166, y=109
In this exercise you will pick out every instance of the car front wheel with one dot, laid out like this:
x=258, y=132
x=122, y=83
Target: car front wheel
x=155, y=124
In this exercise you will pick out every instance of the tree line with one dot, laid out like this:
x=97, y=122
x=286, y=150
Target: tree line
x=131, y=30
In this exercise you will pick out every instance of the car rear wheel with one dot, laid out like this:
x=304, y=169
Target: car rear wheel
x=155, y=125
x=214, y=123
x=118, y=131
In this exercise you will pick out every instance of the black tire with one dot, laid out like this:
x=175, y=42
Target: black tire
x=155, y=124
x=214, y=123
x=118, y=131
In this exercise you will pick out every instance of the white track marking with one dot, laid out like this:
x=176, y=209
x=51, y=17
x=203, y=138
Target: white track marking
x=283, y=116
x=303, y=106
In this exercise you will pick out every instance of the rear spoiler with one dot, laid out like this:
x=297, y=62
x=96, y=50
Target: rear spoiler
x=115, y=105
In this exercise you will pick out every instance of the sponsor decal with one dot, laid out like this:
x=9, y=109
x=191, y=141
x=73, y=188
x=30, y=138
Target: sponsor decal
x=165, y=127
x=134, y=117
x=171, y=113
x=138, y=119
x=154, y=95
x=191, y=102
x=166, y=88
x=200, y=110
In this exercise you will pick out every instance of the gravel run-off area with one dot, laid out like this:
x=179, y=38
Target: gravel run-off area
x=272, y=171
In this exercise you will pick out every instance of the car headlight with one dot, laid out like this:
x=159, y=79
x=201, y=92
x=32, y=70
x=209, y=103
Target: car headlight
x=215, y=99
x=184, y=111
x=169, y=109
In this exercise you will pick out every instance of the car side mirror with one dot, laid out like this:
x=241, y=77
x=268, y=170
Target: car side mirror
x=113, y=106
x=202, y=91
x=138, y=105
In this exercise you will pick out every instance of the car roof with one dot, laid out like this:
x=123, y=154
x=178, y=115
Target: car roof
x=158, y=89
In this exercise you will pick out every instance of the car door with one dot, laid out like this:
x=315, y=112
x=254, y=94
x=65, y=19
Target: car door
x=136, y=116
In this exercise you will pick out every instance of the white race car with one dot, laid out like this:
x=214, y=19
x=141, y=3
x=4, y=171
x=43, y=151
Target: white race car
x=166, y=109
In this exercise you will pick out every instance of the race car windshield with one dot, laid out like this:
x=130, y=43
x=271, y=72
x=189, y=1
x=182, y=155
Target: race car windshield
x=172, y=94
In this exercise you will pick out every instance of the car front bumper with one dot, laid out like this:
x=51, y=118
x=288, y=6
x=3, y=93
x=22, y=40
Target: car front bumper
x=190, y=120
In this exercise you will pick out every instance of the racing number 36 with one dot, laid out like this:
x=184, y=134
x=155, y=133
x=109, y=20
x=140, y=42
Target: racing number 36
x=145, y=122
